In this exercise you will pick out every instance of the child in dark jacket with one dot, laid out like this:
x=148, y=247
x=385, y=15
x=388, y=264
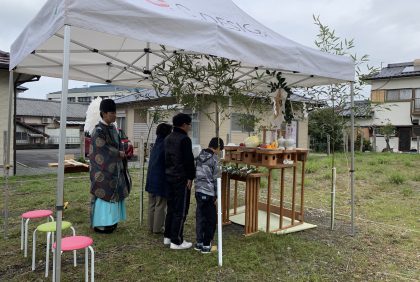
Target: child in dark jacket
x=207, y=171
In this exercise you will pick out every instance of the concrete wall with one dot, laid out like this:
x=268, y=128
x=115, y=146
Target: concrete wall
x=396, y=83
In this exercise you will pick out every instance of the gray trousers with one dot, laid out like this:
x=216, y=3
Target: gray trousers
x=157, y=213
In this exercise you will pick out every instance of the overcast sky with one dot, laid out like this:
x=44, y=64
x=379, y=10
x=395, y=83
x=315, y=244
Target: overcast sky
x=388, y=31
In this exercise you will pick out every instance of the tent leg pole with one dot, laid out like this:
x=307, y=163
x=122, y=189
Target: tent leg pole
x=62, y=149
x=141, y=179
x=352, y=159
x=6, y=156
x=219, y=222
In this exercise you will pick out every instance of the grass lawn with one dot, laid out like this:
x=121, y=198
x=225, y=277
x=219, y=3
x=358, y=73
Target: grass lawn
x=386, y=245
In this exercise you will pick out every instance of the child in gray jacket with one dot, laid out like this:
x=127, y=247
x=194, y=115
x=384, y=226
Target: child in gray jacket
x=207, y=171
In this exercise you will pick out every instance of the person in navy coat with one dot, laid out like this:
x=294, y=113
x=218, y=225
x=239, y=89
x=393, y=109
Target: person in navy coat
x=156, y=184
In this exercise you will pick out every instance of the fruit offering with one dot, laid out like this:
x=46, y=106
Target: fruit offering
x=252, y=141
x=272, y=145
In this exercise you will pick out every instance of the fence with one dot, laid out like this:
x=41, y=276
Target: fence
x=69, y=140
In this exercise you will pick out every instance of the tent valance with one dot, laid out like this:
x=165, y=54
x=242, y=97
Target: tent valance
x=121, y=42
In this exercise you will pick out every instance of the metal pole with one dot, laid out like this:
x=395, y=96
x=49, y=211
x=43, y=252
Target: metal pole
x=352, y=158
x=6, y=186
x=9, y=120
x=82, y=143
x=229, y=140
x=334, y=180
x=219, y=222
x=62, y=148
x=141, y=192
x=374, y=139
x=6, y=156
x=328, y=145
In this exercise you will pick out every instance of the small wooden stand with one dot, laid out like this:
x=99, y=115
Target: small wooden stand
x=252, y=189
x=272, y=160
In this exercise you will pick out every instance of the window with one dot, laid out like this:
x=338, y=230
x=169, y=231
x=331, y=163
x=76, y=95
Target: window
x=121, y=123
x=71, y=99
x=406, y=94
x=84, y=99
x=21, y=136
x=416, y=131
x=195, y=130
x=399, y=94
x=417, y=100
x=242, y=122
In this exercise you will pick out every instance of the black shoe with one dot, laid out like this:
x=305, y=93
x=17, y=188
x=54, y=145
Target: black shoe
x=206, y=249
x=105, y=229
x=198, y=246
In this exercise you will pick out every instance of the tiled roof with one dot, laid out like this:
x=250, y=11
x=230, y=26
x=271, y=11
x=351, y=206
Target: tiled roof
x=396, y=71
x=47, y=108
x=4, y=60
x=362, y=108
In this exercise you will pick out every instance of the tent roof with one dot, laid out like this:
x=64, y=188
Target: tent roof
x=120, y=41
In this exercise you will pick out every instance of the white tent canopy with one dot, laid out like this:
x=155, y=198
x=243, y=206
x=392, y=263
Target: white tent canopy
x=120, y=41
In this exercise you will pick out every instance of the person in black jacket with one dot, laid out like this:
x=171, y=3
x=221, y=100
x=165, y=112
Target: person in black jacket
x=180, y=172
x=156, y=184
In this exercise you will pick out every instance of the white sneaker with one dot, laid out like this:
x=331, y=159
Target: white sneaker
x=184, y=245
x=166, y=241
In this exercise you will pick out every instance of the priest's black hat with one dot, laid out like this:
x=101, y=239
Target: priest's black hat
x=107, y=105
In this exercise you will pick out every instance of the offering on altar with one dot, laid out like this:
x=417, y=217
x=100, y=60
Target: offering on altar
x=273, y=145
x=252, y=141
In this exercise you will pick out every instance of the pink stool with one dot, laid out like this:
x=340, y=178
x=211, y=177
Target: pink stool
x=73, y=243
x=24, y=230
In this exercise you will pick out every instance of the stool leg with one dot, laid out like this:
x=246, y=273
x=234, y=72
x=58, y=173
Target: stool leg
x=52, y=241
x=21, y=234
x=47, y=254
x=92, y=264
x=74, y=252
x=53, y=277
x=86, y=265
x=26, y=237
x=33, y=249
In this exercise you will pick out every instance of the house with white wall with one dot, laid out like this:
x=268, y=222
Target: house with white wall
x=134, y=108
x=395, y=95
x=89, y=93
x=38, y=122
x=6, y=99
x=134, y=115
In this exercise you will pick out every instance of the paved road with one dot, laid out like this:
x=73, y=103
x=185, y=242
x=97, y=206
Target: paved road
x=36, y=161
x=29, y=162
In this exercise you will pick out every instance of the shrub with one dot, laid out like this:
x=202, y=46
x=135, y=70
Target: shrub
x=311, y=167
x=396, y=178
x=416, y=177
x=407, y=192
x=407, y=164
x=383, y=161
